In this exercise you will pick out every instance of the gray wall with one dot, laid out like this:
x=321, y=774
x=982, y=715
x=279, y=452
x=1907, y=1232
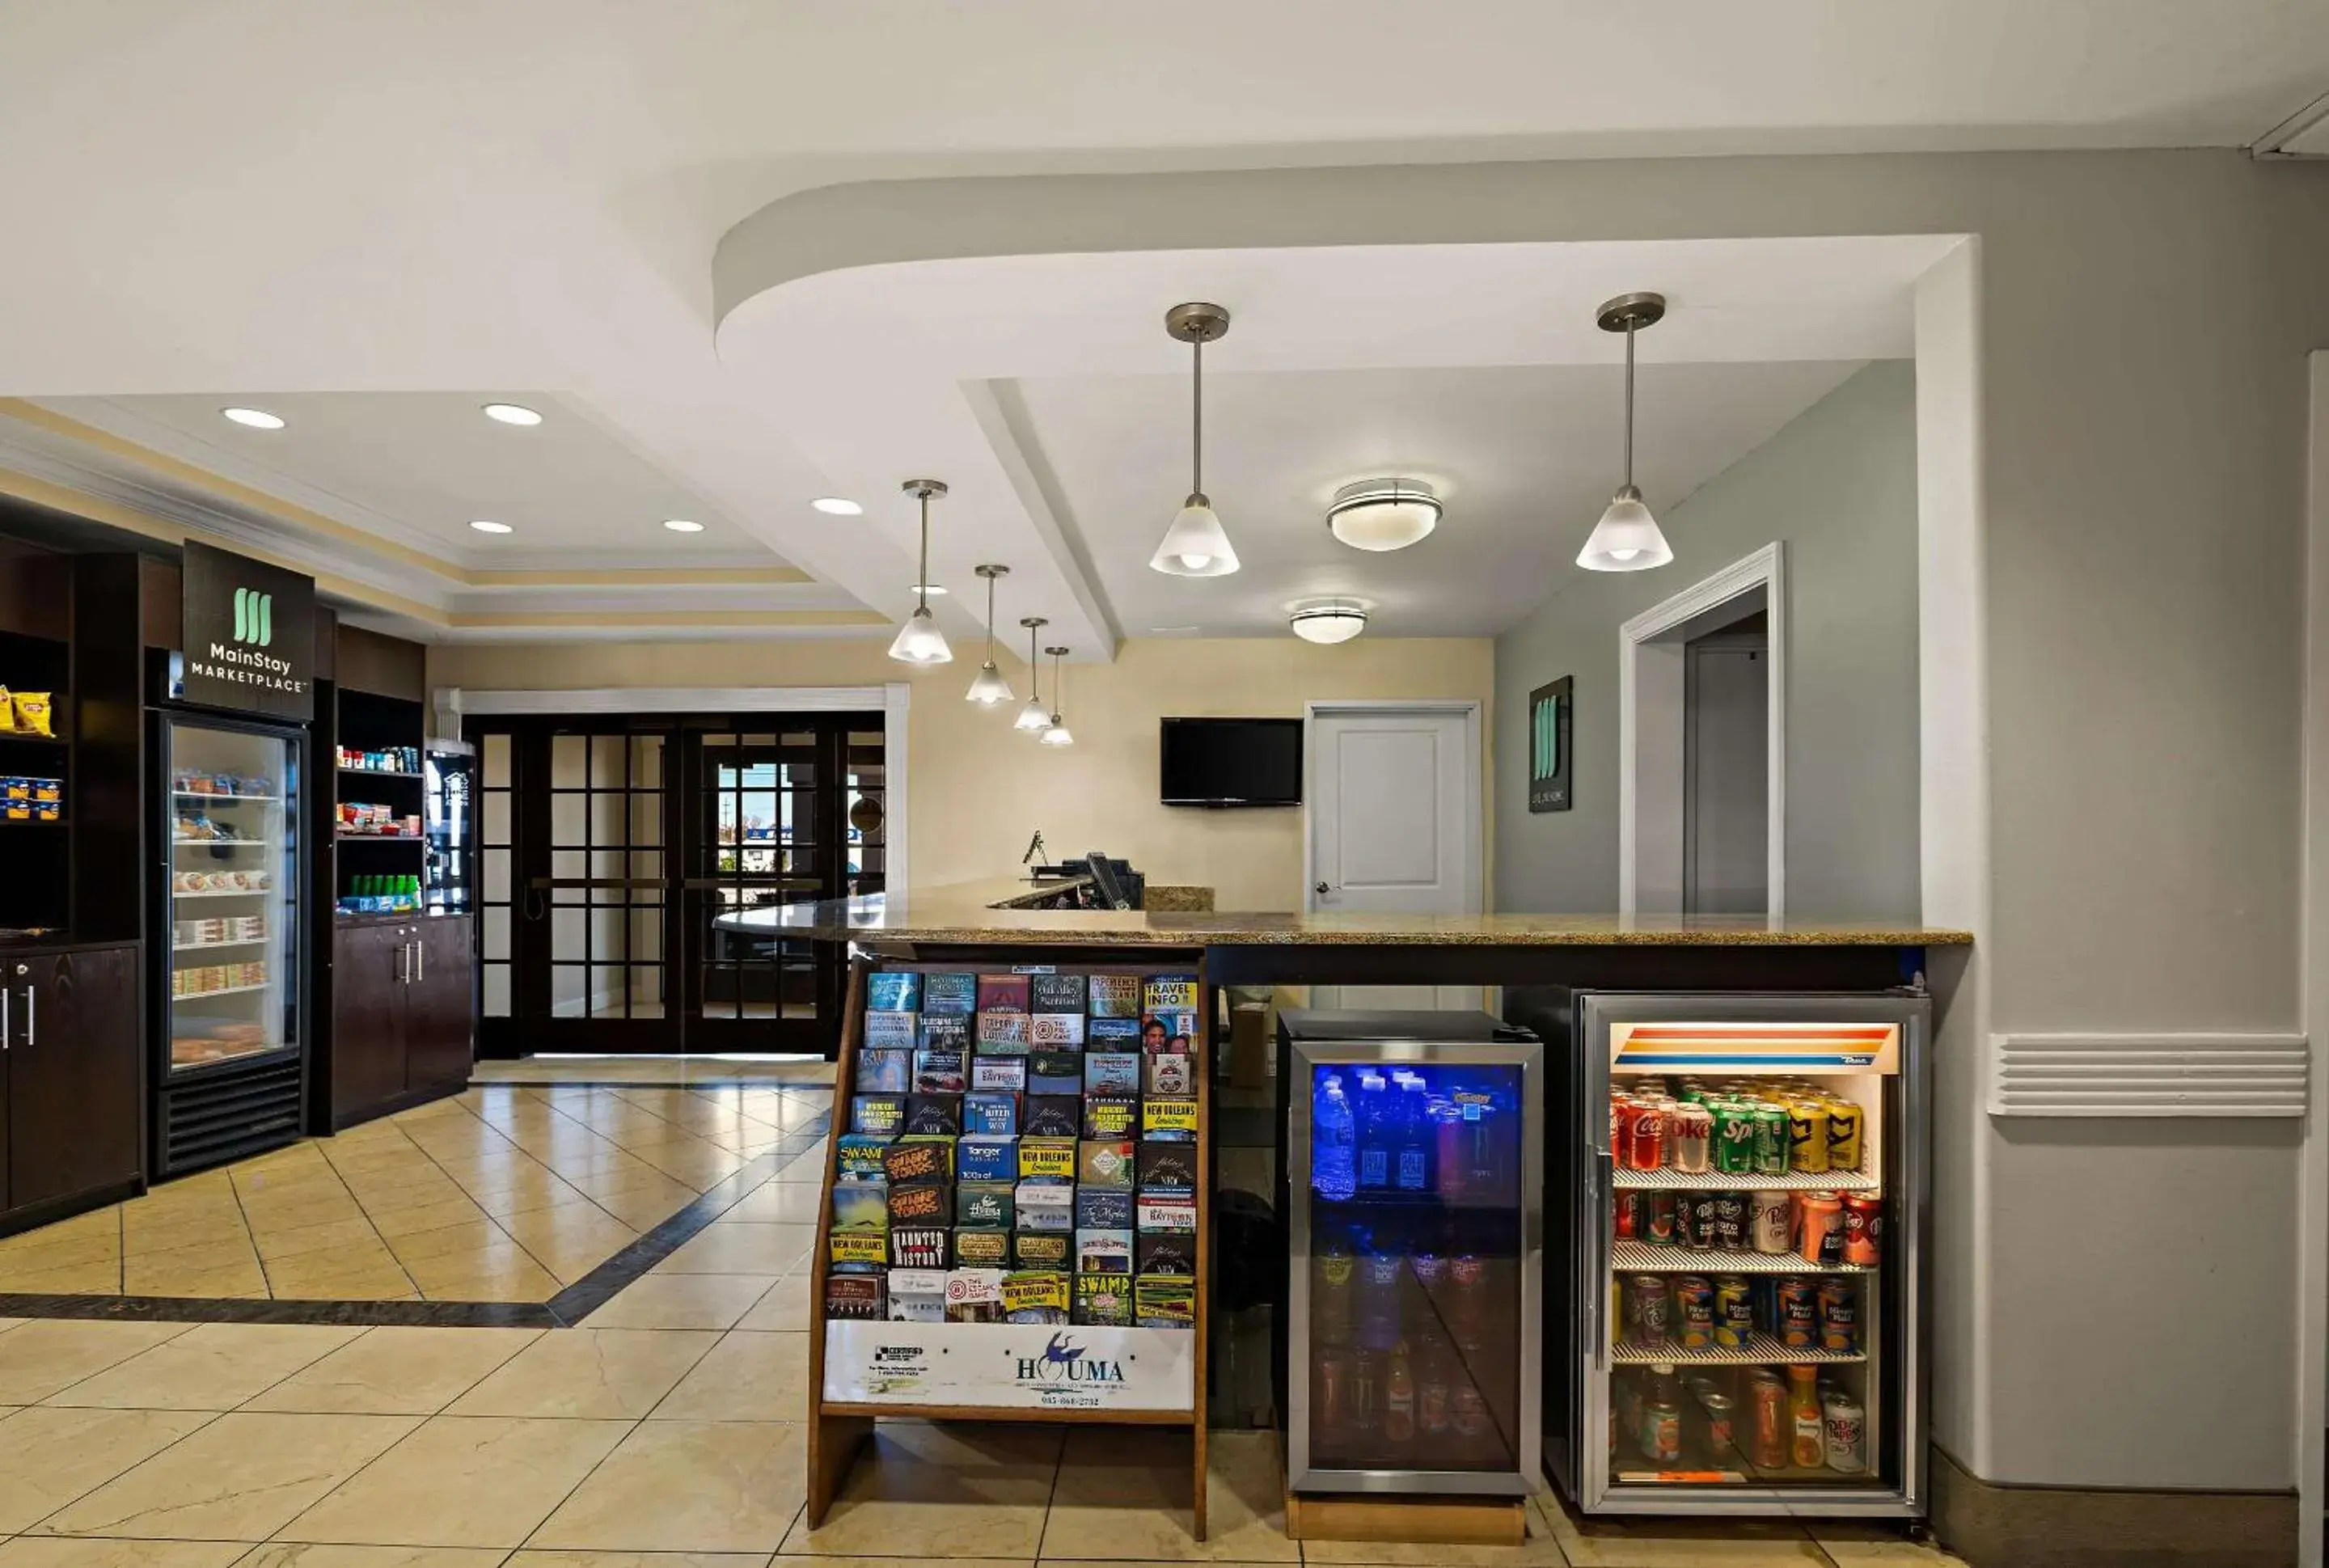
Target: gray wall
x=1839, y=486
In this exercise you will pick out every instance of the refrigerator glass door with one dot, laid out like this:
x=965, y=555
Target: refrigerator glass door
x=230, y=823
x=446, y=870
x=1416, y=1240
x=1755, y=1183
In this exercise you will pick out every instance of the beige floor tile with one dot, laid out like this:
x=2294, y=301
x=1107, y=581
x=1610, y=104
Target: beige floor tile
x=777, y=1202
x=398, y=1371
x=785, y=1308
x=1540, y=1551
x=444, y=1280
x=462, y=1481
x=688, y=1486
x=45, y=1356
x=646, y=1208
x=212, y=1366
x=312, y=1554
x=48, y=1457
x=63, y=1552
x=1851, y=1545
x=740, y=1247
x=1681, y=1543
x=241, y=1478
x=476, y=1237
x=190, y=1277
x=340, y=1238
x=213, y=1221
x=530, y=1558
x=322, y=1279
x=1123, y=1492
x=599, y=1373
x=434, y=1214
x=927, y=1491
x=747, y=1376
x=660, y=1301
x=98, y=1278
x=808, y=1166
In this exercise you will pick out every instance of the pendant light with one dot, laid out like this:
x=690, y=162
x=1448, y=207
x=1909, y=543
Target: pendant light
x=1033, y=717
x=1626, y=539
x=919, y=641
x=990, y=689
x=1197, y=544
x=1056, y=734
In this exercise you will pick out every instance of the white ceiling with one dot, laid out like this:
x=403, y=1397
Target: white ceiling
x=358, y=201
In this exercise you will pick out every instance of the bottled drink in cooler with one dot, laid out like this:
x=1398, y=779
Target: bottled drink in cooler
x=1375, y=1133
x=1366, y=1394
x=1334, y=1169
x=1411, y=1173
x=1379, y=1296
x=1399, y=1397
x=1447, y=1152
x=1808, y=1447
x=1434, y=1395
x=1332, y=1282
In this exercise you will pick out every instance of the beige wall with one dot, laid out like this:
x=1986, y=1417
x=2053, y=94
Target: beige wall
x=978, y=788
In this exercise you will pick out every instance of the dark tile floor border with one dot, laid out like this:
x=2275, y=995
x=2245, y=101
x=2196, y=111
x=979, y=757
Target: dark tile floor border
x=567, y=1309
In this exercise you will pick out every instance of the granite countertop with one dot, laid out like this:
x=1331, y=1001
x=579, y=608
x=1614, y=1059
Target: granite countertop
x=968, y=914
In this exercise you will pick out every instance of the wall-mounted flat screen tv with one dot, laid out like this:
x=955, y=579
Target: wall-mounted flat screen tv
x=1232, y=762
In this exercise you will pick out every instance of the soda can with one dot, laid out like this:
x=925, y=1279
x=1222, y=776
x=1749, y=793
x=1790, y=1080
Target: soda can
x=1806, y=1135
x=1799, y=1312
x=1694, y=1220
x=1734, y=1138
x=1693, y=1300
x=1626, y=1213
x=1658, y=1220
x=1734, y=1312
x=1844, y=1428
x=1772, y=1134
x=1819, y=1228
x=1653, y=1310
x=1770, y=1222
x=1864, y=1228
x=1772, y=1428
x=1731, y=1222
x=1662, y=1431
x=1843, y=1124
x=1693, y=1140
x=1645, y=1134
x=1720, y=1437
x=1839, y=1315
x=1619, y=1100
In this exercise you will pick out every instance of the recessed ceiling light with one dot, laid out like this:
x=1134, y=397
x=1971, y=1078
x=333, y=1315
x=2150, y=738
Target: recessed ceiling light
x=513, y=414
x=484, y=526
x=682, y=525
x=256, y=419
x=837, y=506
x=931, y=588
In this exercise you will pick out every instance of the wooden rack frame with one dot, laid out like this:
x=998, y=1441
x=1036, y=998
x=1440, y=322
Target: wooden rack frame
x=838, y=1428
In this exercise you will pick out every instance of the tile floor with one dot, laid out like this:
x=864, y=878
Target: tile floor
x=504, y=1194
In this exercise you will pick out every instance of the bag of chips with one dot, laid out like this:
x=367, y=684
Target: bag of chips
x=32, y=711
x=7, y=713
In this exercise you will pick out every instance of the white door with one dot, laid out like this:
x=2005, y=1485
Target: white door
x=1726, y=791
x=1393, y=803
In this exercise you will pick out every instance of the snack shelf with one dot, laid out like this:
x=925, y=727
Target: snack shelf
x=205, y=946
x=216, y=843
x=33, y=822
x=406, y=837
x=222, y=991
x=381, y=772
x=229, y=799
x=35, y=739
x=1714, y=1181
x=1760, y=1350
x=1636, y=1257
x=225, y=892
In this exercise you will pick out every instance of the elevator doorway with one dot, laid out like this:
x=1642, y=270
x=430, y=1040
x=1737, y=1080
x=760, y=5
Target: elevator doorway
x=621, y=858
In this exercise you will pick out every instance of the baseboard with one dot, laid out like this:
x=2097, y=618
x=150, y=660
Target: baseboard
x=2008, y=1526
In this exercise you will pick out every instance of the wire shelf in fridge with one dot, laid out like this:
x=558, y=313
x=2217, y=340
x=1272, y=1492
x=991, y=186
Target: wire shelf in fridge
x=1715, y=1181
x=1760, y=1350
x=1636, y=1257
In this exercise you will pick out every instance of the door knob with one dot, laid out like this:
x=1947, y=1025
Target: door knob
x=1322, y=890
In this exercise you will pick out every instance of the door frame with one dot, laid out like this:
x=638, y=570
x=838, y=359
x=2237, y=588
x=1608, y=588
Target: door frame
x=1651, y=727
x=1476, y=859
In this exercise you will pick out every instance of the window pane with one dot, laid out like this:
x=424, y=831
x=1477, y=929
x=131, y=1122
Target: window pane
x=494, y=817
x=608, y=997
x=567, y=936
x=647, y=993
x=494, y=985
x=566, y=820
x=494, y=939
x=607, y=758
x=567, y=990
x=569, y=761
x=494, y=885
x=495, y=756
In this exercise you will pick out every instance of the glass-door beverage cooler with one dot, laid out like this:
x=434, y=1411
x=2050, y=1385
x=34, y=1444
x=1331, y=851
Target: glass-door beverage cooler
x=1741, y=1292
x=1414, y=1159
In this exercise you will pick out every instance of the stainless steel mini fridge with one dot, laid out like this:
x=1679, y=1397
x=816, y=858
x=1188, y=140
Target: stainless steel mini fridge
x=1739, y=1297
x=1414, y=1162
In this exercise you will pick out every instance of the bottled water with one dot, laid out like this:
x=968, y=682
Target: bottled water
x=1333, y=1163
x=1413, y=1171
x=1375, y=1133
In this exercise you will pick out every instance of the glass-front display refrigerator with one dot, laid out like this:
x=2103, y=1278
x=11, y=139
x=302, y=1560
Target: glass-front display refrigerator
x=1742, y=1284
x=1414, y=1180
x=449, y=778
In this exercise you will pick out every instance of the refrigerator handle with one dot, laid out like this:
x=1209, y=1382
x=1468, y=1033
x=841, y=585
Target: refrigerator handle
x=32, y=1029
x=4, y=1018
x=1600, y=1185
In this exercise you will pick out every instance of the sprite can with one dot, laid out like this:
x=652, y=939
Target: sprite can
x=1734, y=1137
x=1770, y=1140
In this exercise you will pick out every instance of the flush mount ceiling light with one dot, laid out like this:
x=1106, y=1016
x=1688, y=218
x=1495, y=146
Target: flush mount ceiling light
x=1034, y=717
x=989, y=689
x=1626, y=539
x=256, y=419
x=512, y=414
x=919, y=641
x=1056, y=732
x=935, y=589
x=1328, y=621
x=1384, y=514
x=838, y=506
x=1197, y=544
x=484, y=525
x=682, y=525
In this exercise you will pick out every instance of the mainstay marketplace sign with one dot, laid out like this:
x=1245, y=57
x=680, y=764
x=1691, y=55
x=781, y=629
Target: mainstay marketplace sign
x=249, y=635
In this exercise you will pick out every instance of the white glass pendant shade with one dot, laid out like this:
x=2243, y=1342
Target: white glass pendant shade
x=1196, y=545
x=919, y=641
x=1382, y=514
x=1327, y=623
x=1055, y=733
x=1032, y=717
x=1626, y=539
x=989, y=690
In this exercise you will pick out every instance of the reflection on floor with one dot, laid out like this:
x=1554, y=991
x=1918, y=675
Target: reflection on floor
x=811, y=1071
x=504, y=1194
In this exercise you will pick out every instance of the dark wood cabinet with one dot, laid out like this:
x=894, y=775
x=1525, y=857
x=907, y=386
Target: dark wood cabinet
x=73, y=1085
x=400, y=1014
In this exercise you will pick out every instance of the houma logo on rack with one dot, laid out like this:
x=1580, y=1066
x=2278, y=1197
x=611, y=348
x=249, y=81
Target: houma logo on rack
x=1064, y=1365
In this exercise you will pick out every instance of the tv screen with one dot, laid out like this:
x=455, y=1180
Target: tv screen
x=1233, y=762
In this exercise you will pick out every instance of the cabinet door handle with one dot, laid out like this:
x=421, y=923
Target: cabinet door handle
x=420, y=962
x=4, y=1020
x=32, y=1024
x=403, y=964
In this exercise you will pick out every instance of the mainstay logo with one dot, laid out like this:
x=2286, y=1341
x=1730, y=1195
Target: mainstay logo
x=254, y=623
x=254, y=616
x=247, y=632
